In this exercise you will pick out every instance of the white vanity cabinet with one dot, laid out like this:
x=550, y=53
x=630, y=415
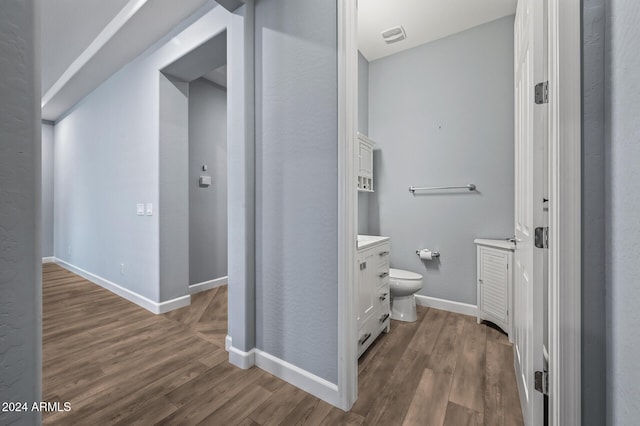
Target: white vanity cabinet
x=495, y=282
x=365, y=163
x=372, y=292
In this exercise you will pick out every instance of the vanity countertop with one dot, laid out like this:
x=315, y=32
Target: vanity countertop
x=366, y=241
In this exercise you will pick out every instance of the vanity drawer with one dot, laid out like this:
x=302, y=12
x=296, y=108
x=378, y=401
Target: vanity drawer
x=367, y=334
x=382, y=273
x=383, y=255
x=382, y=305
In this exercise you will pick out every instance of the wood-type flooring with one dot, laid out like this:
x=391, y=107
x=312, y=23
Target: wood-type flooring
x=117, y=363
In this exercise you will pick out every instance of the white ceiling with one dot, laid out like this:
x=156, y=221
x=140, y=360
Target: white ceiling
x=84, y=42
x=201, y=60
x=423, y=21
x=218, y=76
x=68, y=27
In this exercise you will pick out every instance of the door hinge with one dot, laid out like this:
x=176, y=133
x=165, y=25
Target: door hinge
x=542, y=93
x=542, y=237
x=541, y=379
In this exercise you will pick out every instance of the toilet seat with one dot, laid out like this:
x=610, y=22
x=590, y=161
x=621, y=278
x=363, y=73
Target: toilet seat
x=401, y=274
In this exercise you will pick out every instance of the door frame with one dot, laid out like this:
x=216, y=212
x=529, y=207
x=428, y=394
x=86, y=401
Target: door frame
x=564, y=211
x=347, y=202
x=565, y=166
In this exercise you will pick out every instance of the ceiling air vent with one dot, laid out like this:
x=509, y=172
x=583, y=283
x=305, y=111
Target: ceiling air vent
x=393, y=35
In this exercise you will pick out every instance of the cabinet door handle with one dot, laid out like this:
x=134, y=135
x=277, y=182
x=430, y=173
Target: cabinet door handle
x=384, y=317
x=384, y=275
x=363, y=266
x=383, y=296
x=384, y=253
x=365, y=338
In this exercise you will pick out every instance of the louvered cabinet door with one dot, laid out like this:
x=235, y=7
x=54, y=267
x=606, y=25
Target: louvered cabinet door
x=493, y=286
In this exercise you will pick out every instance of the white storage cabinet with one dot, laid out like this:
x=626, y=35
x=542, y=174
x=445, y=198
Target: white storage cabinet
x=365, y=163
x=495, y=283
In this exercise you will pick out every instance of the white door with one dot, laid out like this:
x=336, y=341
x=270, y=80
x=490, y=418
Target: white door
x=530, y=182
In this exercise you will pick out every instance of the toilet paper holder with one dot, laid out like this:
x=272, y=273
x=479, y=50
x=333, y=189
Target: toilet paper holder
x=434, y=254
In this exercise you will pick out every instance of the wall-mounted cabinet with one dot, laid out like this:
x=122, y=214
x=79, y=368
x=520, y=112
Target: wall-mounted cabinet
x=373, y=295
x=365, y=163
x=495, y=278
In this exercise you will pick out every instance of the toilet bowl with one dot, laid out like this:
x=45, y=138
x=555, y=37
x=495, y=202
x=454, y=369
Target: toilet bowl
x=403, y=285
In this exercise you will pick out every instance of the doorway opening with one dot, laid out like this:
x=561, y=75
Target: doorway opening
x=563, y=177
x=193, y=96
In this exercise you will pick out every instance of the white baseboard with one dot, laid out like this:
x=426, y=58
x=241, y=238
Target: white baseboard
x=298, y=377
x=148, y=304
x=288, y=372
x=447, y=305
x=238, y=357
x=173, y=304
x=207, y=285
x=241, y=358
x=48, y=259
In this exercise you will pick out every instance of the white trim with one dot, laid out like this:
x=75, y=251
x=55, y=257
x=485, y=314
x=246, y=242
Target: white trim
x=148, y=304
x=112, y=28
x=316, y=386
x=173, y=304
x=564, y=212
x=308, y=382
x=48, y=259
x=240, y=358
x=207, y=285
x=347, y=389
x=447, y=305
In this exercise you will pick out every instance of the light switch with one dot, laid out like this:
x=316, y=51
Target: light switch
x=205, y=180
x=140, y=209
x=149, y=209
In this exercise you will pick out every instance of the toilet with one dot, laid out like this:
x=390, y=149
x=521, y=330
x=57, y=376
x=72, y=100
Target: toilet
x=403, y=285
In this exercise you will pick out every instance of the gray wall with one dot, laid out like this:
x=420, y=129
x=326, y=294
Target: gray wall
x=207, y=205
x=442, y=114
x=108, y=158
x=296, y=183
x=47, y=189
x=622, y=205
x=20, y=169
x=173, y=206
x=593, y=250
x=363, y=94
x=363, y=127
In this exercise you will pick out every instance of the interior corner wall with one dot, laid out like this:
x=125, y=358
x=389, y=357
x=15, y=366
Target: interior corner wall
x=593, y=215
x=173, y=203
x=20, y=226
x=441, y=114
x=241, y=176
x=207, y=204
x=107, y=160
x=622, y=204
x=363, y=127
x=296, y=183
x=47, y=189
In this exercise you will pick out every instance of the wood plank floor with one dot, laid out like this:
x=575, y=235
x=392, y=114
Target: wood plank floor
x=119, y=364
